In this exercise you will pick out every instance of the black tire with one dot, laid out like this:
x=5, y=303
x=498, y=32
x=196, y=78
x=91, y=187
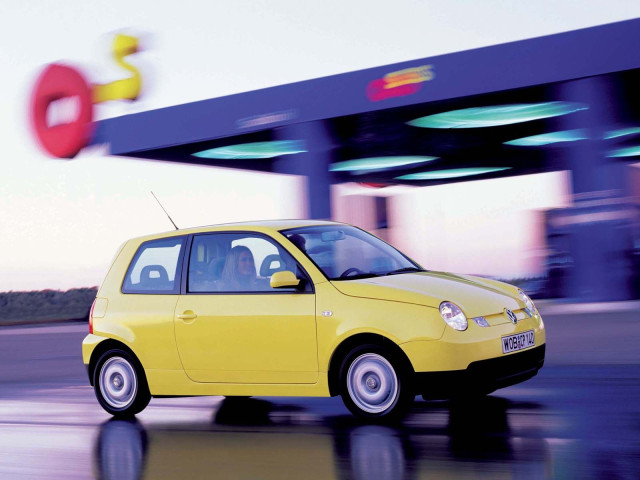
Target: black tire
x=390, y=379
x=135, y=390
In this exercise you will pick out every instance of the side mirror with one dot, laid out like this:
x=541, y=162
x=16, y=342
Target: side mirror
x=284, y=279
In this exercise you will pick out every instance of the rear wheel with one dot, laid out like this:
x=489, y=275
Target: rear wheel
x=374, y=383
x=120, y=384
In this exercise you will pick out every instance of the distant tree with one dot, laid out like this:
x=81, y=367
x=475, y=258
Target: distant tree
x=44, y=305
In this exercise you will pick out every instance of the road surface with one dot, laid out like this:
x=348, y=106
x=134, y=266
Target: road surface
x=579, y=418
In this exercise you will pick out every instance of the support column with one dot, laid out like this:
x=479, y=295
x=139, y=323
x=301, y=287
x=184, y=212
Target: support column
x=598, y=225
x=312, y=164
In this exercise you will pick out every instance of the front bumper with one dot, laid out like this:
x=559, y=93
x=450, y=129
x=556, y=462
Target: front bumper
x=481, y=377
x=457, y=350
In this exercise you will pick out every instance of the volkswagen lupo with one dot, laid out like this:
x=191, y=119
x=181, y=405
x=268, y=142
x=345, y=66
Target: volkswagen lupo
x=300, y=308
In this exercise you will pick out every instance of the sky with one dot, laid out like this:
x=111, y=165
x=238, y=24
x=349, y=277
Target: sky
x=63, y=220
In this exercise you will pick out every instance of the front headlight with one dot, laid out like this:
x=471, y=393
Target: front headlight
x=527, y=301
x=453, y=316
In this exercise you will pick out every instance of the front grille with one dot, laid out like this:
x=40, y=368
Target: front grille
x=500, y=317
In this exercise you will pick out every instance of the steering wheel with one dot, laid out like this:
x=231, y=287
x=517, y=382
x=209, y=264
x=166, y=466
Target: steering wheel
x=349, y=271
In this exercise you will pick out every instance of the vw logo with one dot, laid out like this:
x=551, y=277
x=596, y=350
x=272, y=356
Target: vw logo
x=511, y=315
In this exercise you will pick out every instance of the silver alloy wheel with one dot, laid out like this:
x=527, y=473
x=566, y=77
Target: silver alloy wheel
x=118, y=382
x=372, y=383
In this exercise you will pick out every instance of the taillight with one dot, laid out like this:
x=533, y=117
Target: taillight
x=93, y=305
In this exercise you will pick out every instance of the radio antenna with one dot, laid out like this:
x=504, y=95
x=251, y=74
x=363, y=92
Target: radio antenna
x=166, y=213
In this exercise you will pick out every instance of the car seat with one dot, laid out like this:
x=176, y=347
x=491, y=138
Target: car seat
x=155, y=277
x=271, y=264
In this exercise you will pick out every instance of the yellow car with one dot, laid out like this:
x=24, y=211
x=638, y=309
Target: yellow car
x=300, y=308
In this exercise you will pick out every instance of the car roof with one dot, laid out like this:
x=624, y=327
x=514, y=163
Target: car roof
x=252, y=226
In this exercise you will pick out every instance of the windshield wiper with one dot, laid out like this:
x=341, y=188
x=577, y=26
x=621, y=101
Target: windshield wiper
x=405, y=270
x=358, y=276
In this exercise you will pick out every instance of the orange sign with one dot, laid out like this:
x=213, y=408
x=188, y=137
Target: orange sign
x=400, y=83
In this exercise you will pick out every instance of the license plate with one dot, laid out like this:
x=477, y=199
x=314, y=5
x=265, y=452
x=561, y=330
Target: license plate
x=519, y=341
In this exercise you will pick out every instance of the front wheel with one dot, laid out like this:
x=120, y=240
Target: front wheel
x=374, y=383
x=120, y=384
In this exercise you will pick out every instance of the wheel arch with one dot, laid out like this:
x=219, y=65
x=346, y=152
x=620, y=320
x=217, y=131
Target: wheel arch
x=348, y=344
x=105, y=346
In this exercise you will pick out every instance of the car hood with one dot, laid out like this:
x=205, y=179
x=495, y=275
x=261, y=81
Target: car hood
x=476, y=296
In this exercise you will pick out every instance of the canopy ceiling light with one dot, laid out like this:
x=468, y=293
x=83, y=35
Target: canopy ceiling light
x=622, y=132
x=568, y=136
x=363, y=165
x=453, y=173
x=550, y=138
x=256, y=150
x=497, y=115
x=625, y=152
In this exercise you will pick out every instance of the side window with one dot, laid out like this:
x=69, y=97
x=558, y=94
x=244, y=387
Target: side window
x=231, y=262
x=154, y=268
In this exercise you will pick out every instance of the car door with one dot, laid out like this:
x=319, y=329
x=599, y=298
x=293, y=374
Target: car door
x=142, y=309
x=231, y=326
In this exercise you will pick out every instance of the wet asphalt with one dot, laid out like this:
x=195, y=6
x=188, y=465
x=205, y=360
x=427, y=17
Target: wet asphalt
x=578, y=418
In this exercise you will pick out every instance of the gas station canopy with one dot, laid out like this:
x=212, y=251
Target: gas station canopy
x=483, y=113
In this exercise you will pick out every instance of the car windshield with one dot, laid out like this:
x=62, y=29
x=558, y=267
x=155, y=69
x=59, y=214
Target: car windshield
x=343, y=252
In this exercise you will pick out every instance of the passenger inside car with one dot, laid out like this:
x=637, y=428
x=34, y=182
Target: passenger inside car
x=299, y=241
x=239, y=271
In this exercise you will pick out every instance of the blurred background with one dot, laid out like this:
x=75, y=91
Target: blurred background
x=514, y=161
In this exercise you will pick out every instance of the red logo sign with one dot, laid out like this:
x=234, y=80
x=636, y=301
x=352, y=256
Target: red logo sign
x=61, y=83
x=55, y=83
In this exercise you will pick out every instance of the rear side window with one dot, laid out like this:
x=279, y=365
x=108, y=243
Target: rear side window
x=155, y=268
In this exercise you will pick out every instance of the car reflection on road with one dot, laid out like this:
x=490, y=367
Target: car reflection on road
x=253, y=438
